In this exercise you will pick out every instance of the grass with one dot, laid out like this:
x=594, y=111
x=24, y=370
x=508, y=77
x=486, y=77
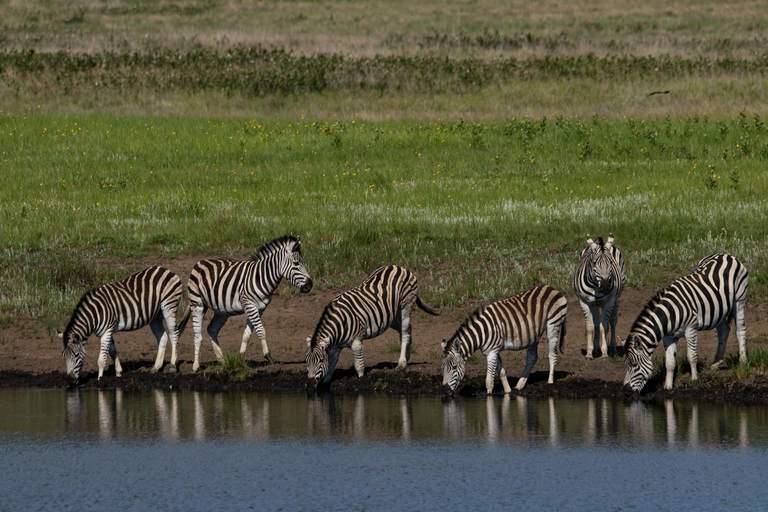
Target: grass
x=477, y=209
x=235, y=365
x=756, y=364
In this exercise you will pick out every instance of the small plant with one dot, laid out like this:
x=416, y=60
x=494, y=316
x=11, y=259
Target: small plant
x=234, y=364
x=380, y=385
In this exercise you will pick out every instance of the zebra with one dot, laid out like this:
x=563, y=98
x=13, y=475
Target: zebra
x=598, y=282
x=385, y=299
x=146, y=297
x=514, y=323
x=233, y=287
x=709, y=297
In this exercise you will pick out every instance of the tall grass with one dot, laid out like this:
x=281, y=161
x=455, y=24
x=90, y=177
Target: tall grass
x=479, y=210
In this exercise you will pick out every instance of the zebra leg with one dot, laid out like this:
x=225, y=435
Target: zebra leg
x=254, y=319
x=104, y=349
x=357, y=350
x=606, y=321
x=162, y=341
x=217, y=322
x=198, y=313
x=169, y=313
x=614, y=319
x=503, y=376
x=405, y=338
x=590, y=327
x=492, y=359
x=723, y=330
x=113, y=355
x=333, y=358
x=741, y=330
x=692, y=350
x=530, y=360
x=670, y=347
x=553, y=335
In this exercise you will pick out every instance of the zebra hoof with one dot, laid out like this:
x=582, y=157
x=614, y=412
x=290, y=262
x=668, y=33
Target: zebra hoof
x=589, y=358
x=154, y=369
x=718, y=365
x=171, y=369
x=269, y=358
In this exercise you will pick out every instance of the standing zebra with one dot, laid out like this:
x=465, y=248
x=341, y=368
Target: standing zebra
x=146, y=297
x=710, y=297
x=233, y=287
x=598, y=283
x=510, y=324
x=385, y=299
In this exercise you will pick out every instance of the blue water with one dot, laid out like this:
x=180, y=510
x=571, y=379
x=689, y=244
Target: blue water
x=91, y=450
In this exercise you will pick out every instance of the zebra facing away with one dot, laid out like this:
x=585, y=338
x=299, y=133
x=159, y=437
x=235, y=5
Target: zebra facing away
x=514, y=323
x=385, y=299
x=598, y=282
x=710, y=297
x=146, y=297
x=233, y=287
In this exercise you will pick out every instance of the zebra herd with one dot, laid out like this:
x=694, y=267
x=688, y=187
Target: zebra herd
x=710, y=297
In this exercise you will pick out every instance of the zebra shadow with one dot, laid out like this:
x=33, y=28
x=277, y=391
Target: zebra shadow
x=619, y=352
x=536, y=379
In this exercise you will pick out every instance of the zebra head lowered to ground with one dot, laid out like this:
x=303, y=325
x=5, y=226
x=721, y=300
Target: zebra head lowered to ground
x=707, y=298
x=453, y=365
x=74, y=337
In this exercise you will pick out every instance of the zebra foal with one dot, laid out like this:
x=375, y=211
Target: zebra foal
x=598, y=282
x=233, y=287
x=146, y=297
x=385, y=299
x=709, y=297
x=510, y=324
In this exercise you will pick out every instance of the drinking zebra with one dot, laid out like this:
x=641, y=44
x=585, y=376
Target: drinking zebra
x=146, y=297
x=385, y=299
x=233, y=287
x=598, y=283
x=710, y=297
x=514, y=323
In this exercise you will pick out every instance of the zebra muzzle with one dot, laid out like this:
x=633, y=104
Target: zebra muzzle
x=306, y=287
x=447, y=390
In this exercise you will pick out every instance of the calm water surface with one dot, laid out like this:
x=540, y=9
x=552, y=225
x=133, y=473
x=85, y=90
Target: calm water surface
x=87, y=450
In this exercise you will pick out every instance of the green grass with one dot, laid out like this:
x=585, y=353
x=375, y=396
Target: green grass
x=235, y=365
x=756, y=364
x=478, y=210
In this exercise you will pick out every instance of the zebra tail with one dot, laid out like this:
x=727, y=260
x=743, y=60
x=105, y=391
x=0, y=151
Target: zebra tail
x=425, y=308
x=183, y=323
x=562, y=339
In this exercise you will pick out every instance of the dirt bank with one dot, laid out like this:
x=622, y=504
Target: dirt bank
x=31, y=356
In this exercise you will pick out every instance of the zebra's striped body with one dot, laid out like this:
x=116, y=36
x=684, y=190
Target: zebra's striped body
x=510, y=324
x=598, y=282
x=713, y=294
x=146, y=297
x=385, y=299
x=233, y=287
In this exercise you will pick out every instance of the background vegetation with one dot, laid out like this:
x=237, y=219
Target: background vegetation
x=475, y=143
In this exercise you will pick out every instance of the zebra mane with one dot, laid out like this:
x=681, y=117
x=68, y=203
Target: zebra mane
x=272, y=246
x=76, y=314
x=649, y=306
x=599, y=242
x=453, y=340
x=326, y=313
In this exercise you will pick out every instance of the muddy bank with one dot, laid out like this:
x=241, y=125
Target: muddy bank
x=390, y=381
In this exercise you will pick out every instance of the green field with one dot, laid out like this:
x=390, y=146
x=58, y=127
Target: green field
x=474, y=143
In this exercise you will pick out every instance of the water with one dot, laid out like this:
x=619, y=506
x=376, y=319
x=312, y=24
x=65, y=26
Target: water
x=87, y=450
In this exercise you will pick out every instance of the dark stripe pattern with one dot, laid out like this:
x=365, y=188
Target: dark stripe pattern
x=233, y=287
x=146, y=297
x=710, y=297
x=385, y=299
x=510, y=324
x=598, y=282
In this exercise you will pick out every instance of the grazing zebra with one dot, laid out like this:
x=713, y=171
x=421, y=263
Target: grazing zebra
x=146, y=297
x=385, y=299
x=510, y=324
x=233, y=287
x=598, y=283
x=710, y=297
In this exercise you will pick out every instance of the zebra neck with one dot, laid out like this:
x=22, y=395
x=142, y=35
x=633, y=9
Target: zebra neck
x=269, y=269
x=466, y=346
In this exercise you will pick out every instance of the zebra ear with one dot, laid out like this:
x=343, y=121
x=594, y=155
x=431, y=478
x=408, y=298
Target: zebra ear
x=590, y=241
x=610, y=241
x=297, y=244
x=444, y=344
x=60, y=335
x=309, y=341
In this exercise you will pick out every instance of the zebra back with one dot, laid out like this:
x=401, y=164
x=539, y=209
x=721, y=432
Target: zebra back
x=600, y=273
x=516, y=322
x=702, y=299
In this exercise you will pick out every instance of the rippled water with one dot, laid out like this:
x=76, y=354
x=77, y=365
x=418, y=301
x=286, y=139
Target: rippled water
x=90, y=449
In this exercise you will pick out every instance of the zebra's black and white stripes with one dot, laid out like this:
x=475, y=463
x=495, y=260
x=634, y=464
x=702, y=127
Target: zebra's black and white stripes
x=233, y=287
x=385, y=299
x=710, y=297
x=146, y=297
x=510, y=324
x=598, y=283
